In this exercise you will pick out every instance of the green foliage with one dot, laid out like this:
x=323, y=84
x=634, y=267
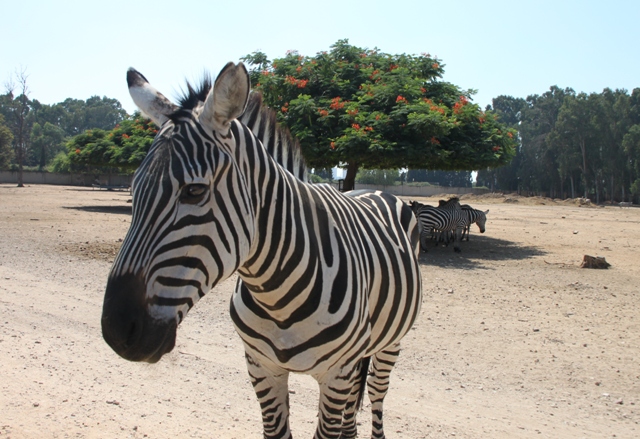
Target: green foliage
x=379, y=111
x=6, y=139
x=60, y=164
x=123, y=147
x=571, y=144
x=46, y=141
x=379, y=177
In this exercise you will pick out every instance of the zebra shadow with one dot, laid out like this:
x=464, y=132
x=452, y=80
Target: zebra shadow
x=120, y=210
x=476, y=252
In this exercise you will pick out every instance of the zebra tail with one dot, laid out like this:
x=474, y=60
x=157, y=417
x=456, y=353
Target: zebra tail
x=362, y=379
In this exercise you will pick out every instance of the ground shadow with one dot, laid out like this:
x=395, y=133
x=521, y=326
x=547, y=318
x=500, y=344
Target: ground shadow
x=476, y=251
x=121, y=210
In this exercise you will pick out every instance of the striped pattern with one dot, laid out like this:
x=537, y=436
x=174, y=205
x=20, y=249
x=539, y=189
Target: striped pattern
x=328, y=283
x=445, y=219
x=473, y=216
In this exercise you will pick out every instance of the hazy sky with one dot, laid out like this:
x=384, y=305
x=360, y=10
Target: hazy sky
x=79, y=49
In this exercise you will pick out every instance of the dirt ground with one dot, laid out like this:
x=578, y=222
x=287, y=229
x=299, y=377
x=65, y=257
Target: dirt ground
x=514, y=340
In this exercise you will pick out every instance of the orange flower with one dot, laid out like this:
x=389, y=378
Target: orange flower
x=368, y=128
x=77, y=150
x=355, y=126
x=510, y=135
x=302, y=83
x=496, y=148
x=323, y=113
x=434, y=140
x=284, y=109
x=377, y=117
x=299, y=69
x=336, y=103
x=423, y=90
x=401, y=99
x=333, y=145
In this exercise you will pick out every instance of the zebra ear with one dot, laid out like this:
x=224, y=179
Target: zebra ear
x=228, y=98
x=486, y=211
x=149, y=100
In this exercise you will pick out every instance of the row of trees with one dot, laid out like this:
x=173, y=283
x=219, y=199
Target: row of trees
x=365, y=110
x=33, y=133
x=572, y=144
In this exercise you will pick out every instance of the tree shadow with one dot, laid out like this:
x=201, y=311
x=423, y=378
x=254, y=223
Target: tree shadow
x=476, y=251
x=120, y=210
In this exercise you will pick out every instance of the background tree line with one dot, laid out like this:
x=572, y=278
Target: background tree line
x=73, y=135
x=566, y=144
x=572, y=144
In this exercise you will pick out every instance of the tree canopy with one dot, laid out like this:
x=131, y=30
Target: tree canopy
x=122, y=147
x=365, y=108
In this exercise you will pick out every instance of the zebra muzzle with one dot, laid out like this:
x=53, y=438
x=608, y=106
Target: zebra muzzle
x=127, y=326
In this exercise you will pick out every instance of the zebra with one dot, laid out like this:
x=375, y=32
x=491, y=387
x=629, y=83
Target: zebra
x=328, y=283
x=443, y=220
x=473, y=216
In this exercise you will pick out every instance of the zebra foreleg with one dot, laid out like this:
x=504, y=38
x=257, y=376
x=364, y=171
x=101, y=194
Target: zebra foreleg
x=378, y=384
x=336, y=400
x=272, y=389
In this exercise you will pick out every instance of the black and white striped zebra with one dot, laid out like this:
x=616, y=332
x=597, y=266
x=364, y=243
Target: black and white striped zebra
x=328, y=283
x=473, y=216
x=445, y=219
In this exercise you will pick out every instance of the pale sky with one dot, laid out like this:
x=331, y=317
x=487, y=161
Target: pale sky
x=79, y=49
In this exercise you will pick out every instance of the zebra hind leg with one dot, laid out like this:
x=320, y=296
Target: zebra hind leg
x=272, y=390
x=354, y=403
x=378, y=385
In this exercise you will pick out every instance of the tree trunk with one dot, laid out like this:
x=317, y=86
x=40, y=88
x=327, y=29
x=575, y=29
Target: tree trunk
x=349, y=182
x=573, y=189
x=20, y=160
x=583, y=149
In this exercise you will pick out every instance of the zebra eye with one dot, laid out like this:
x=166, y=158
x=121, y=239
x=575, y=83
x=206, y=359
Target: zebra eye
x=193, y=193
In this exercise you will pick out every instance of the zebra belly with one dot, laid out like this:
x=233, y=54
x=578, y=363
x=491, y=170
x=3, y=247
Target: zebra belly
x=312, y=346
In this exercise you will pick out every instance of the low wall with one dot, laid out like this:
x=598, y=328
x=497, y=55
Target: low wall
x=35, y=177
x=423, y=191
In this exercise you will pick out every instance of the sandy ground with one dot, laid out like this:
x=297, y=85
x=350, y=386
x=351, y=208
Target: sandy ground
x=514, y=339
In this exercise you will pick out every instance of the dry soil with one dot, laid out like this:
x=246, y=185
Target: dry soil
x=514, y=340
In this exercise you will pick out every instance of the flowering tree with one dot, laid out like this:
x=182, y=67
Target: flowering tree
x=123, y=147
x=358, y=107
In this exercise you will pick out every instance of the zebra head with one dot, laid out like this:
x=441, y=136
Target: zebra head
x=192, y=223
x=482, y=220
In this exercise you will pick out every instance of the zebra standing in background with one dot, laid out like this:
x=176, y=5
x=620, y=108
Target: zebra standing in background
x=328, y=283
x=473, y=216
x=447, y=219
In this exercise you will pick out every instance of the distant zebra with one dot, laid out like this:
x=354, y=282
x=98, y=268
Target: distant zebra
x=328, y=283
x=438, y=219
x=473, y=216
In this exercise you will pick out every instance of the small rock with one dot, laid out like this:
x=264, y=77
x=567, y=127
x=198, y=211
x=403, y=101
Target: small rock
x=575, y=232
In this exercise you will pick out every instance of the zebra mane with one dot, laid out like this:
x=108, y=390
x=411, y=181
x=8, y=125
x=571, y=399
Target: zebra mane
x=192, y=97
x=260, y=119
x=277, y=139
